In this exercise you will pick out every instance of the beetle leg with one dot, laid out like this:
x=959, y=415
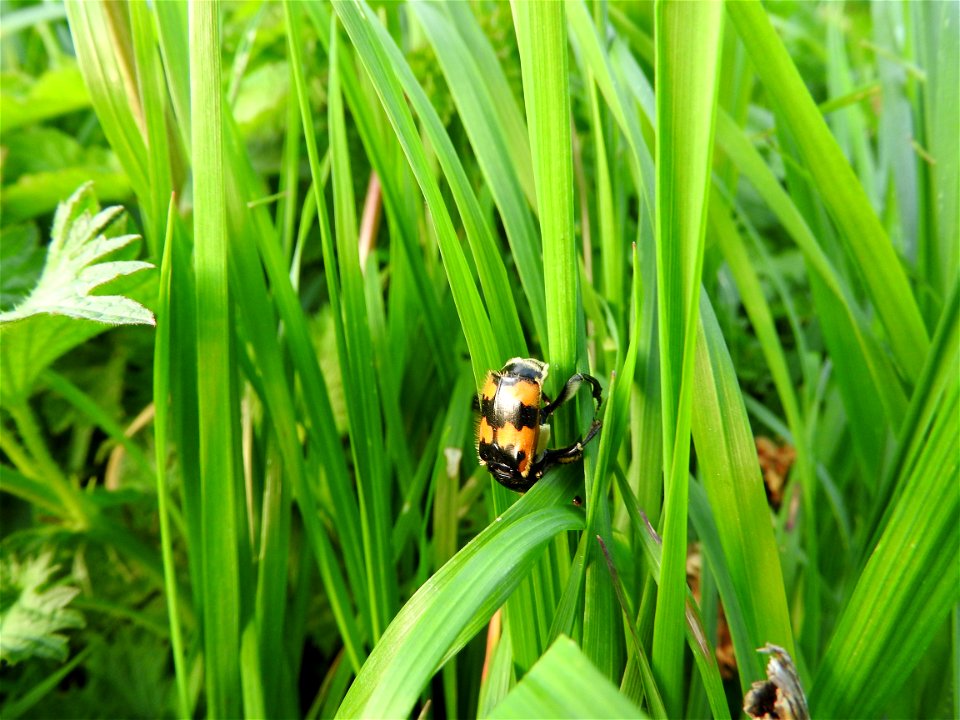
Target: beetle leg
x=561, y=456
x=570, y=389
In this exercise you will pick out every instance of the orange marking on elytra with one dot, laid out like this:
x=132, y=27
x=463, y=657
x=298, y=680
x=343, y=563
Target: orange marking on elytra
x=489, y=388
x=521, y=440
x=485, y=432
x=527, y=392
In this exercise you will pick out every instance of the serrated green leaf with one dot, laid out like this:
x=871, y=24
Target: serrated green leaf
x=31, y=615
x=45, y=326
x=72, y=271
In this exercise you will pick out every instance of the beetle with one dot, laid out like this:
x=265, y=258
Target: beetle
x=512, y=433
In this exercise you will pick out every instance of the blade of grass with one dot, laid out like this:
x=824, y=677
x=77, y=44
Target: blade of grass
x=394, y=179
x=936, y=45
x=342, y=493
x=487, y=256
x=688, y=51
x=909, y=585
x=848, y=124
x=597, y=630
x=161, y=394
x=463, y=594
x=477, y=111
x=367, y=37
x=916, y=425
x=363, y=409
x=596, y=58
x=153, y=99
x=221, y=497
x=875, y=364
x=838, y=187
x=727, y=454
x=565, y=684
x=109, y=80
x=738, y=457
x=697, y=640
x=542, y=38
x=504, y=101
x=897, y=161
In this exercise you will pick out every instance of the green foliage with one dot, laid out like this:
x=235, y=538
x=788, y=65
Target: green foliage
x=565, y=684
x=34, y=334
x=33, y=610
x=740, y=217
x=75, y=266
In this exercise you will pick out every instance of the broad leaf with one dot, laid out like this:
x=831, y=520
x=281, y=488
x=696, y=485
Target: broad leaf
x=72, y=270
x=31, y=615
x=44, y=326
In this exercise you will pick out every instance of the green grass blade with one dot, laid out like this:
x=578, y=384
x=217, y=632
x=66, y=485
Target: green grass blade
x=93, y=27
x=897, y=160
x=487, y=256
x=838, y=187
x=728, y=457
x=600, y=65
x=383, y=153
x=599, y=622
x=868, y=360
x=909, y=585
x=153, y=99
x=464, y=593
x=367, y=38
x=479, y=114
x=697, y=640
x=735, y=465
x=363, y=409
x=161, y=394
x=342, y=494
x=937, y=48
x=505, y=103
x=688, y=44
x=542, y=37
x=221, y=497
x=565, y=684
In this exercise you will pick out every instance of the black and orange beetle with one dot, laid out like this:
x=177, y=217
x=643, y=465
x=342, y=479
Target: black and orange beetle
x=512, y=434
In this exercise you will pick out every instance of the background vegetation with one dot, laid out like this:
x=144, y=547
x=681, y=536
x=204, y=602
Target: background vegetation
x=258, y=495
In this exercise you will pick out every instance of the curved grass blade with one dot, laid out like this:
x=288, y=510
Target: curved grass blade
x=93, y=29
x=505, y=104
x=161, y=393
x=762, y=320
x=465, y=591
x=700, y=646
